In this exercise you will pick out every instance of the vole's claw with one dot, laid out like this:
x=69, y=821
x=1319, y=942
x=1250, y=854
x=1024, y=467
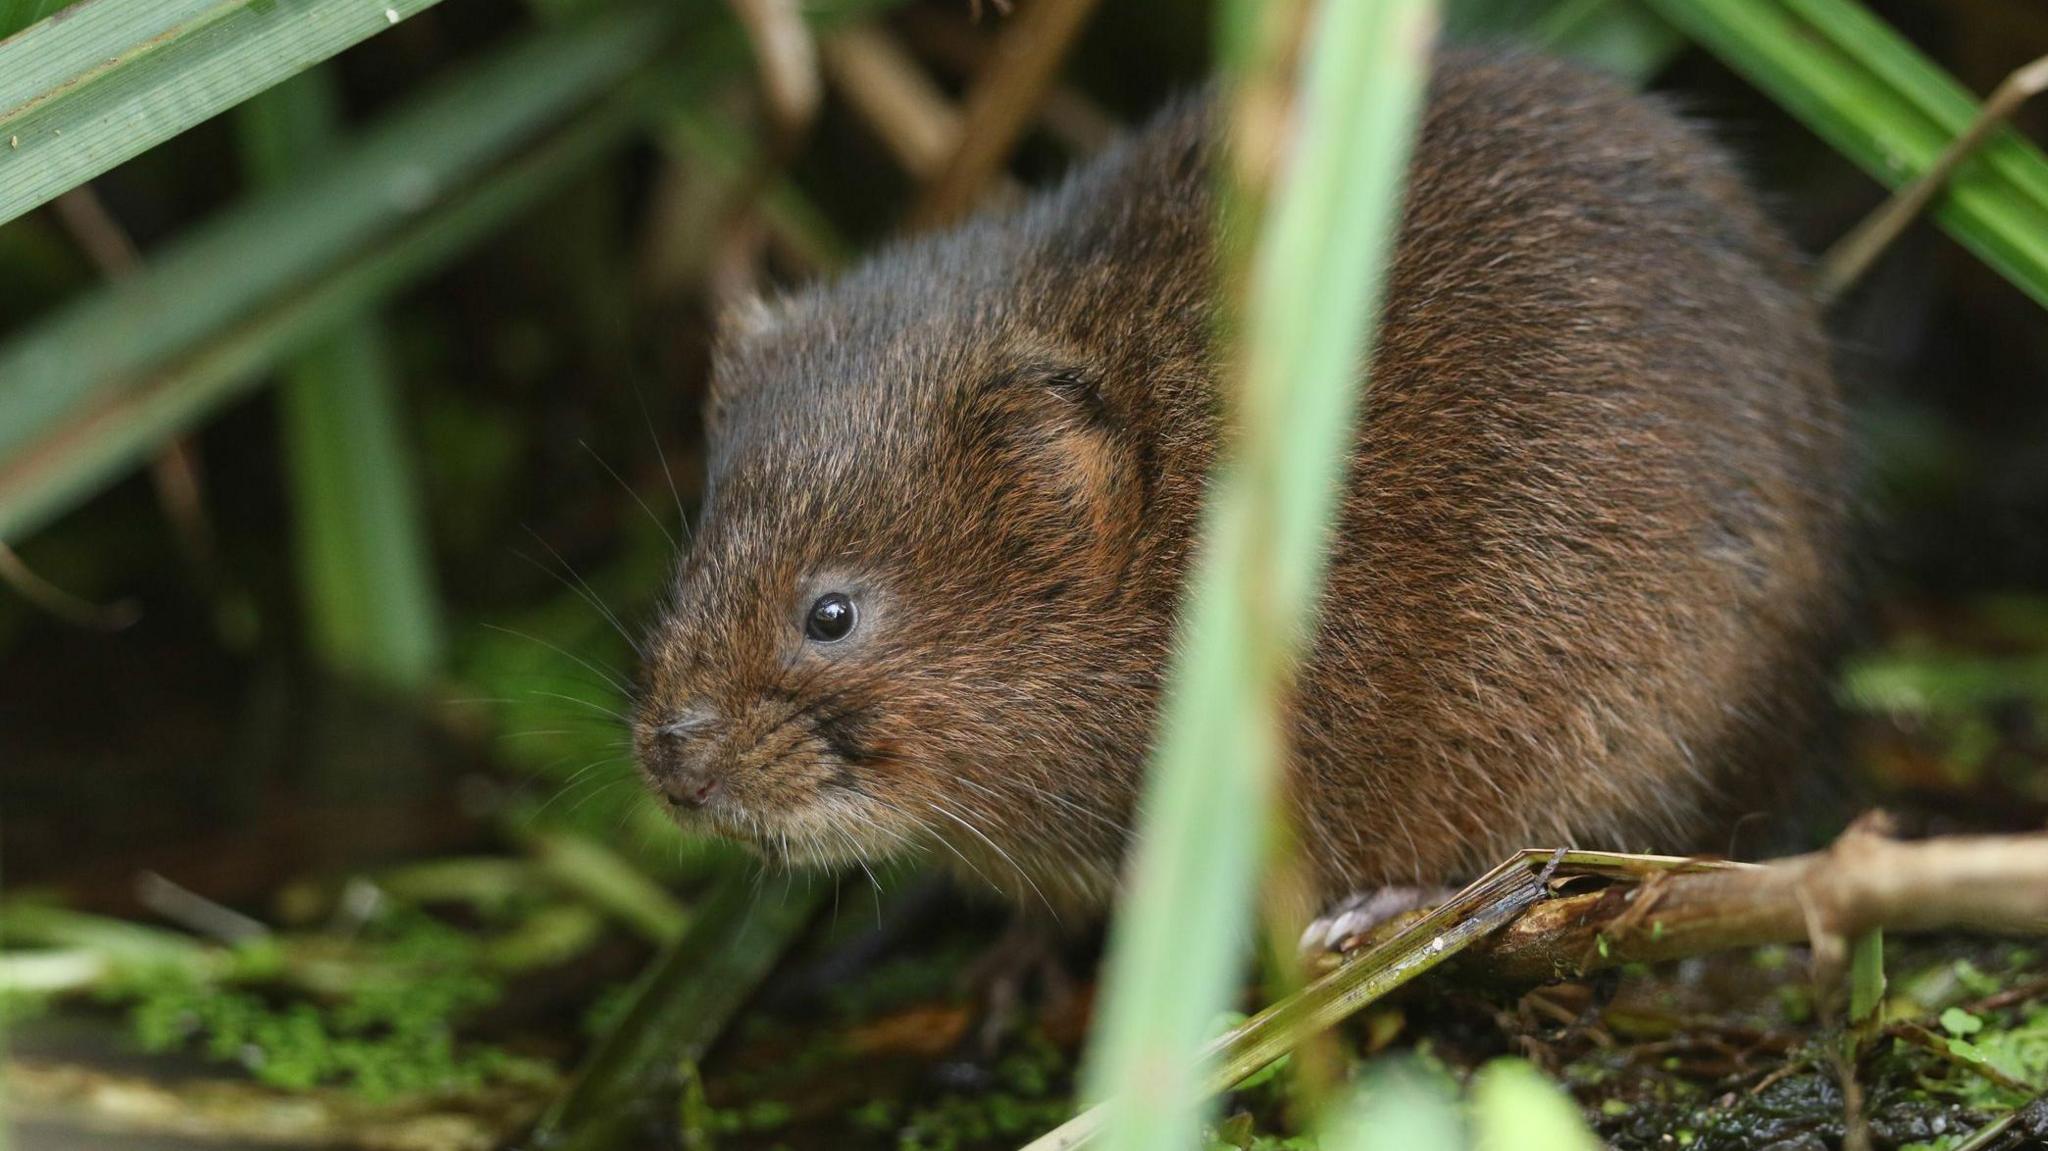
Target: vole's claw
x=1349, y=920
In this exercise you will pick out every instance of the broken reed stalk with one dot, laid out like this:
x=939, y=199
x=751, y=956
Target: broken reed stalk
x=1496, y=898
x=1863, y=883
x=1003, y=101
x=1500, y=929
x=1852, y=255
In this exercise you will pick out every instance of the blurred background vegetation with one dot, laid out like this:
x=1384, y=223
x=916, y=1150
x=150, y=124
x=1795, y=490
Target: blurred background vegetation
x=343, y=434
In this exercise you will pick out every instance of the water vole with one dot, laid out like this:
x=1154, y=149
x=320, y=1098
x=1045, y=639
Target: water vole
x=1581, y=570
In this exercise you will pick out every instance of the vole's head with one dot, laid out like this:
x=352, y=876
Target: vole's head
x=913, y=616
x=950, y=502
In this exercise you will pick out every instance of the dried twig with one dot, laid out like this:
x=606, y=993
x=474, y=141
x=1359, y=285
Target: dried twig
x=1992, y=883
x=1068, y=115
x=1853, y=254
x=2011, y=996
x=1005, y=99
x=60, y=603
x=787, y=59
x=1493, y=899
x=175, y=471
x=96, y=1105
x=884, y=84
x=1862, y=883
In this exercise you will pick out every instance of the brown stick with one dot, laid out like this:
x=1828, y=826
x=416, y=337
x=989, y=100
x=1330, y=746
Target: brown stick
x=914, y=119
x=175, y=472
x=1069, y=116
x=1853, y=254
x=1003, y=101
x=72, y=609
x=787, y=60
x=1991, y=883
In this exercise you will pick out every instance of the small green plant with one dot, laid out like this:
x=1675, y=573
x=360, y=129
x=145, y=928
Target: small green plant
x=392, y=1031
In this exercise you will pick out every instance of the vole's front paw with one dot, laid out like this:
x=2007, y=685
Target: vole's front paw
x=1349, y=920
x=1028, y=953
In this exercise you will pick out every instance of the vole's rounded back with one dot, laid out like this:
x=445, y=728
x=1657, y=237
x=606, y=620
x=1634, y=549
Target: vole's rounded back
x=1582, y=574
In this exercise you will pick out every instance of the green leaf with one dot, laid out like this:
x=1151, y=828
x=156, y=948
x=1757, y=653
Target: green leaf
x=116, y=77
x=1398, y=1107
x=1180, y=940
x=1868, y=92
x=1514, y=1108
x=18, y=14
x=88, y=390
x=1959, y=1023
x=360, y=539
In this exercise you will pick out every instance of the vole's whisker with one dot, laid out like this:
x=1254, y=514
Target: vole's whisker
x=594, y=792
x=997, y=848
x=576, y=583
x=599, y=708
x=682, y=517
x=578, y=779
x=613, y=681
x=651, y=517
x=934, y=835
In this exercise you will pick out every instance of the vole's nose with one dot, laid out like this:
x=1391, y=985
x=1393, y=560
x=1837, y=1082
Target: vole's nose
x=680, y=766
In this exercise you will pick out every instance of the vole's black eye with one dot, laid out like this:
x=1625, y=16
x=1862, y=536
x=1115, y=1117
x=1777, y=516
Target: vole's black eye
x=831, y=618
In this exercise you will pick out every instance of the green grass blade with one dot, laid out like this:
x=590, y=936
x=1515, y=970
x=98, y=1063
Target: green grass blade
x=1179, y=944
x=208, y=278
x=18, y=14
x=361, y=545
x=1870, y=94
x=680, y=1007
x=93, y=444
x=88, y=355
x=116, y=77
x=84, y=393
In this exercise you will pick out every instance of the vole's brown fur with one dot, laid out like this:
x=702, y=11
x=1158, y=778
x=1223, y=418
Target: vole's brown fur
x=1582, y=571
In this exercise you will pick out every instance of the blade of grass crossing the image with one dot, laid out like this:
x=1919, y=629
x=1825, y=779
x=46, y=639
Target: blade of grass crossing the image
x=85, y=389
x=363, y=571
x=216, y=273
x=1870, y=94
x=100, y=442
x=18, y=14
x=114, y=78
x=679, y=1008
x=1315, y=267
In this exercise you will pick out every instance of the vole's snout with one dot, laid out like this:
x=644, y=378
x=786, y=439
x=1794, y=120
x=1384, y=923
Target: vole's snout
x=676, y=759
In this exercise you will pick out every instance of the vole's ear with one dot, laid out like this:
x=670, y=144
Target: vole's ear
x=746, y=318
x=740, y=321
x=1082, y=390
